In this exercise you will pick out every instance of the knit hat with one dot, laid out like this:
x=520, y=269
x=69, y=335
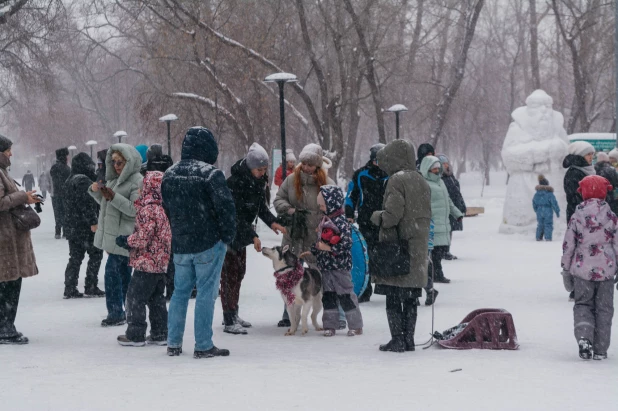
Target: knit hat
x=142, y=149
x=5, y=143
x=289, y=155
x=154, y=151
x=435, y=164
x=443, y=158
x=602, y=157
x=542, y=180
x=581, y=148
x=614, y=154
x=594, y=187
x=373, y=151
x=257, y=157
x=312, y=155
x=62, y=153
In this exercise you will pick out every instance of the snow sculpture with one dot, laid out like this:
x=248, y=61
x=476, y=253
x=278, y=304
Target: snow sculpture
x=536, y=143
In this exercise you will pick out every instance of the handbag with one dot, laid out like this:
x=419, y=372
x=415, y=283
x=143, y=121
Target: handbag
x=25, y=218
x=389, y=259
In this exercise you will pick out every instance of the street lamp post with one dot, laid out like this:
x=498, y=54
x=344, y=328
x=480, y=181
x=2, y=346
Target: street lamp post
x=72, y=150
x=91, y=143
x=120, y=134
x=397, y=108
x=281, y=79
x=168, y=119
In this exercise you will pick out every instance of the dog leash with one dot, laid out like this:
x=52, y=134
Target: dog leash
x=431, y=340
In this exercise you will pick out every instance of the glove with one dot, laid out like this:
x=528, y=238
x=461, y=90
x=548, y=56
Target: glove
x=123, y=241
x=567, y=279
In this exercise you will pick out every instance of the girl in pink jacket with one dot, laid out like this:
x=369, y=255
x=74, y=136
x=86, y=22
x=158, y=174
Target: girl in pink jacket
x=149, y=250
x=589, y=266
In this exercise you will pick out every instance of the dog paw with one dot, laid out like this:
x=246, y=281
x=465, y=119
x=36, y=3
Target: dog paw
x=290, y=333
x=319, y=329
x=305, y=331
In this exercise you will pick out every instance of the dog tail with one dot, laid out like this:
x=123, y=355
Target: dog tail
x=317, y=280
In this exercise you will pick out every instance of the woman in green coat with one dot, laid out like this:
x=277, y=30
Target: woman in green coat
x=441, y=207
x=405, y=215
x=116, y=218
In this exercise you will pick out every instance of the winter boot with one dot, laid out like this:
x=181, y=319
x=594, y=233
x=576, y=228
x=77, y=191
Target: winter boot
x=449, y=256
x=125, y=342
x=395, y=323
x=329, y=332
x=243, y=323
x=585, y=349
x=342, y=325
x=57, y=237
x=440, y=278
x=109, y=322
x=231, y=326
x=431, y=296
x=284, y=323
x=156, y=341
x=18, y=339
x=409, y=321
x=598, y=356
x=70, y=293
x=174, y=351
x=352, y=333
x=94, y=292
x=213, y=352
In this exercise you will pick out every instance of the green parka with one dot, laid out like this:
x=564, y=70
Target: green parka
x=441, y=204
x=406, y=212
x=117, y=217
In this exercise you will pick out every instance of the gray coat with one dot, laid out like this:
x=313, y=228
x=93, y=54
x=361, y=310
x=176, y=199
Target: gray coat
x=286, y=199
x=117, y=217
x=16, y=252
x=406, y=211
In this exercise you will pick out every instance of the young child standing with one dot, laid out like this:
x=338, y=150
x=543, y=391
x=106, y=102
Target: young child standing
x=333, y=252
x=589, y=265
x=150, y=248
x=545, y=205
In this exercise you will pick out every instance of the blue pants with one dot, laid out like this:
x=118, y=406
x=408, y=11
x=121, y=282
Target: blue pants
x=544, y=227
x=117, y=279
x=204, y=270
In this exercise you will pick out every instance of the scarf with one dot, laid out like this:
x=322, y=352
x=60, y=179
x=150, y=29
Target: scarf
x=588, y=170
x=286, y=280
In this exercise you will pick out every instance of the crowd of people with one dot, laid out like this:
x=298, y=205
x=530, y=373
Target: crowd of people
x=183, y=230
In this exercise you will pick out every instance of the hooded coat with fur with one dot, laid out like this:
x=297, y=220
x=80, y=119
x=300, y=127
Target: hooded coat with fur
x=117, y=217
x=405, y=214
x=16, y=253
x=441, y=204
x=151, y=242
x=544, y=203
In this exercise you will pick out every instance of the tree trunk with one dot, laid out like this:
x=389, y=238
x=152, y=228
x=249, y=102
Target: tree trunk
x=534, y=47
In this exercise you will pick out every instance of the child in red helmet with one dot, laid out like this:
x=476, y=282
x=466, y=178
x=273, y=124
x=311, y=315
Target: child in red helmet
x=589, y=266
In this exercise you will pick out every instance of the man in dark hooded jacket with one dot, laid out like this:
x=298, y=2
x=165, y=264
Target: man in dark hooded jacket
x=59, y=174
x=82, y=214
x=202, y=215
x=366, y=193
x=579, y=165
x=28, y=181
x=606, y=170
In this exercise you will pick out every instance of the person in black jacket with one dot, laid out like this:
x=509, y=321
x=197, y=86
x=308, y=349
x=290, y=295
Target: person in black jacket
x=454, y=192
x=101, y=168
x=28, y=181
x=423, y=151
x=606, y=170
x=248, y=184
x=365, y=194
x=82, y=213
x=579, y=165
x=59, y=174
x=202, y=216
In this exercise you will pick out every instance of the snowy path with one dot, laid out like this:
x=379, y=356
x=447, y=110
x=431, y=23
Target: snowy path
x=74, y=364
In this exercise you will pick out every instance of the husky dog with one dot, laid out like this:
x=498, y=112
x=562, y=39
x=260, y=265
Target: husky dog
x=301, y=288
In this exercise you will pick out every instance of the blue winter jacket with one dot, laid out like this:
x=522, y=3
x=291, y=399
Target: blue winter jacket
x=196, y=197
x=544, y=202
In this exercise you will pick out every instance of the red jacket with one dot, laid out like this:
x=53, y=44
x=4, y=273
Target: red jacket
x=151, y=242
x=279, y=175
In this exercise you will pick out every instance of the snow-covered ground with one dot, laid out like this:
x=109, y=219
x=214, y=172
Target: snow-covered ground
x=72, y=363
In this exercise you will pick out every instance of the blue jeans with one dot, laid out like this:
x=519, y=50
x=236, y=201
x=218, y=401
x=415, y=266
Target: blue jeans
x=117, y=279
x=204, y=270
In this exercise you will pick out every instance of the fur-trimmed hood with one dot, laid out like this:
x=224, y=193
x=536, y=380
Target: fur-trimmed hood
x=544, y=188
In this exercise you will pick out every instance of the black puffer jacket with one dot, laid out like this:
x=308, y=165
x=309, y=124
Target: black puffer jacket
x=81, y=210
x=196, y=198
x=60, y=172
x=454, y=192
x=249, y=195
x=606, y=170
x=571, y=181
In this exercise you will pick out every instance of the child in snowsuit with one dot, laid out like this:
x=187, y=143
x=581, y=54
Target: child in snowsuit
x=149, y=248
x=589, y=265
x=334, y=260
x=544, y=204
